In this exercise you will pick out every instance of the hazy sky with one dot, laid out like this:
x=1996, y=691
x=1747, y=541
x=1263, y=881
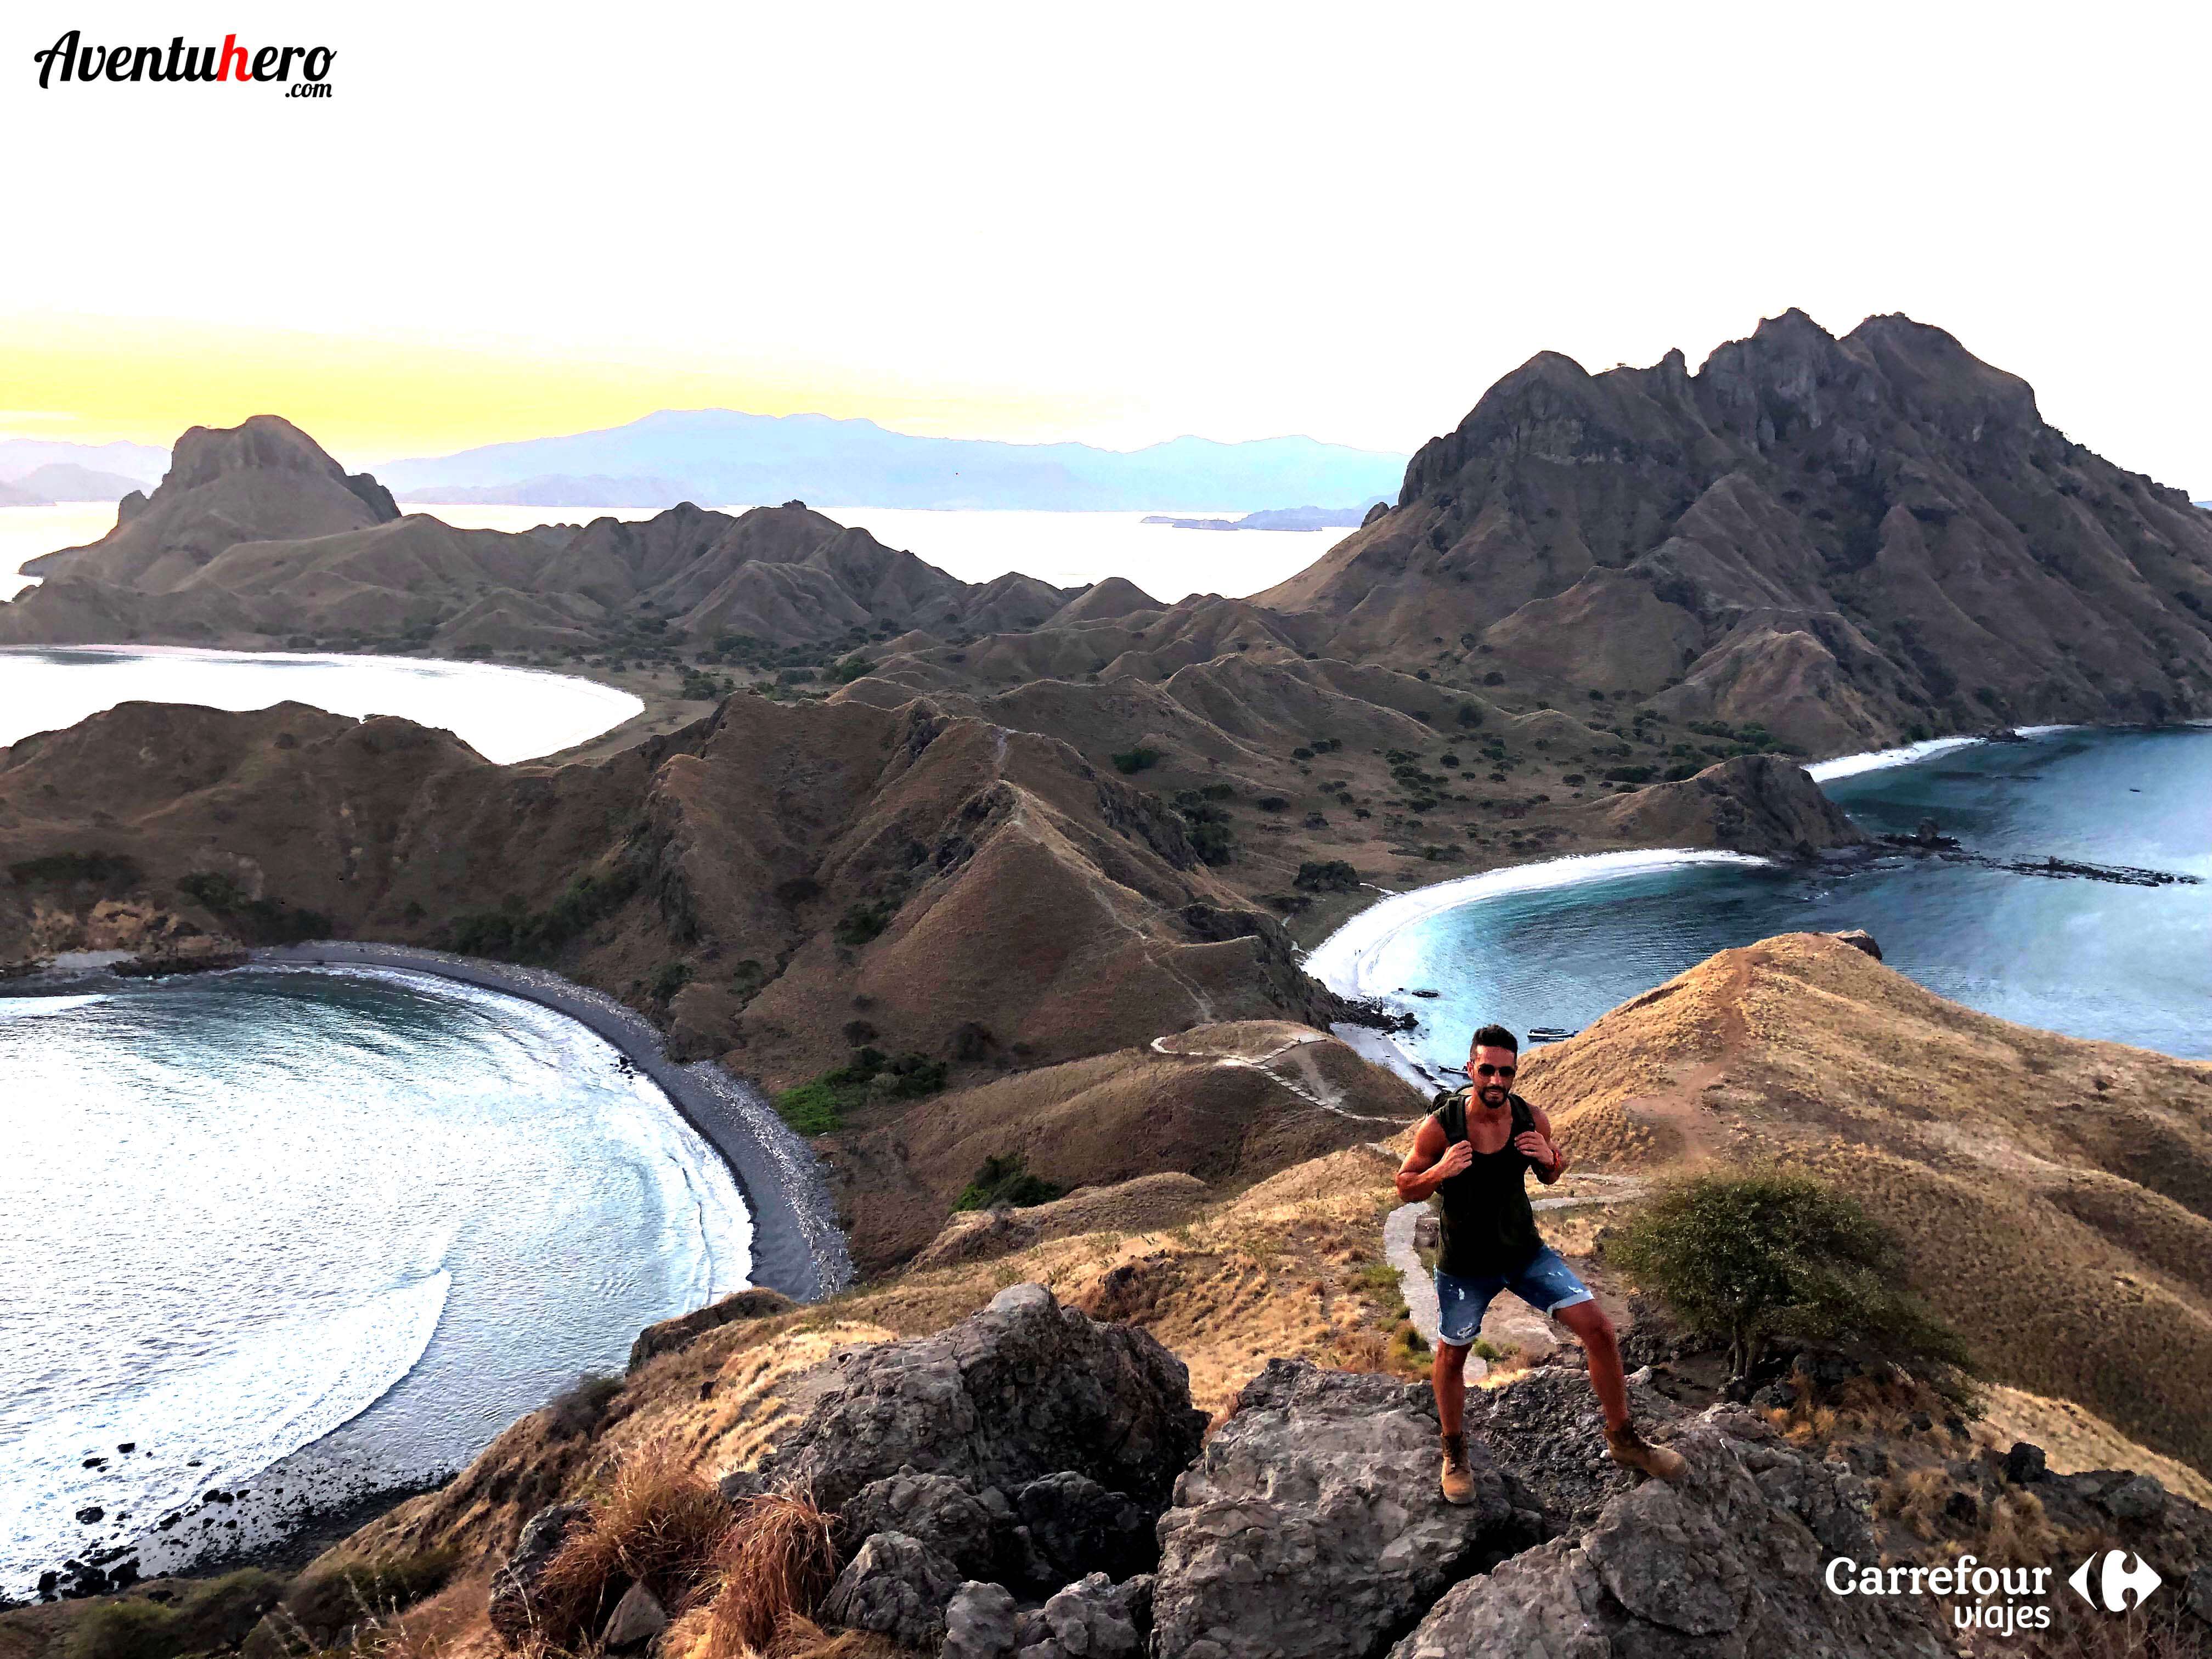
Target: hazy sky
x=1114, y=223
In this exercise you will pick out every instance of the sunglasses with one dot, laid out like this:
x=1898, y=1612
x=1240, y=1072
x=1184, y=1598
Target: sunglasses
x=1493, y=1071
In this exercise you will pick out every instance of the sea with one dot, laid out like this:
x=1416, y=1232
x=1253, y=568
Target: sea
x=506, y=714
x=1557, y=944
x=509, y=714
x=278, y=1238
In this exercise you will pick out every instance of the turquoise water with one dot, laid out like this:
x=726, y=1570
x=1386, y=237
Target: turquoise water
x=2089, y=958
x=312, y=1234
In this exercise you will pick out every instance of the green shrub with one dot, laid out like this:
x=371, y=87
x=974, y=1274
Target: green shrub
x=1629, y=774
x=849, y=669
x=812, y=1109
x=1272, y=803
x=863, y=922
x=1005, y=1180
x=667, y=979
x=818, y=1107
x=323, y=1603
x=1142, y=758
x=515, y=932
x=258, y=921
x=107, y=869
x=1744, y=1257
x=215, y=1615
x=579, y=1407
x=1326, y=876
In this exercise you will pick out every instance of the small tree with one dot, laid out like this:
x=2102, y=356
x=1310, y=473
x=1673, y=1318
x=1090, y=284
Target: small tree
x=1747, y=1255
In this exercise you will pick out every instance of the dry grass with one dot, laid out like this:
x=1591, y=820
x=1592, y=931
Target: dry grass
x=2017, y=1533
x=658, y=1524
x=799, y=1637
x=1914, y=1500
x=776, y=1563
x=2074, y=1439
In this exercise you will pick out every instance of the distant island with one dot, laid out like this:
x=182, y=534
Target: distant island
x=714, y=457
x=35, y=472
x=1281, y=517
x=555, y=489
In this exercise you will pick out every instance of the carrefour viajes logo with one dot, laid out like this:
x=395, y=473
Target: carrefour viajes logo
x=2117, y=1582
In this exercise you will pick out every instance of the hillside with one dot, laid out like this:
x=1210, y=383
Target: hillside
x=777, y=887
x=725, y=455
x=1221, y=1373
x=1844, y=539
x=257, y=537
x=2058, y=1193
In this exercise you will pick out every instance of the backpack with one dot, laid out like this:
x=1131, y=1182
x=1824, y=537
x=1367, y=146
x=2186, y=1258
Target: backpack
x=1523, y=1120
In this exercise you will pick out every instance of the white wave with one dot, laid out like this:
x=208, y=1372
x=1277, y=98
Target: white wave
x=293, y=1381
x=1340, y=961
x=1849, y=766
x=31, y=1007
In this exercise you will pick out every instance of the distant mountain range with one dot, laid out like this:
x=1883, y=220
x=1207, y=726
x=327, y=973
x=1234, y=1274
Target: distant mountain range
x=1282, y=518
x=719, y=456
x=34, y=472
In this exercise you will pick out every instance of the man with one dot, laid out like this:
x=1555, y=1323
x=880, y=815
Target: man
x=1471, y=1154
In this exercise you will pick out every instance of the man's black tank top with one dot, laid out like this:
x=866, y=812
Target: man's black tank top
x=1484, y=1223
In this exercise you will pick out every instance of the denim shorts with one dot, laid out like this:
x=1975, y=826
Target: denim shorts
x=1546, y=1284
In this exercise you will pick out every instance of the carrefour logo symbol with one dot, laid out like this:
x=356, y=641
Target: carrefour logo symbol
x=2116, y=1582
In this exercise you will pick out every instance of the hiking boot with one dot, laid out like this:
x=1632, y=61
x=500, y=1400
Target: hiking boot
x=1457, y=1479
x=1634, y=1451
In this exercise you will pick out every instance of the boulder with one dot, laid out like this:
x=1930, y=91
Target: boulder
x=980, y=1622
x=2142, y=1497
x=635, y=1623
x=1728, y=1563
x=511, y=1613
x=1545, y=1429
x=671, y=1334
x=1091, y=1619
x=935, y=1509
x=1023, y=1389
x=1859, y=939
x=1076, y=1527
x=1312, y=1524
x=898, y=1586
x=2023, y=1463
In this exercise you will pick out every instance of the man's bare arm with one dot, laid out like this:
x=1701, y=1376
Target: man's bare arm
x=1432, y=1163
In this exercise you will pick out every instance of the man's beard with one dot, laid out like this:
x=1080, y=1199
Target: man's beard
x=1490, y=1090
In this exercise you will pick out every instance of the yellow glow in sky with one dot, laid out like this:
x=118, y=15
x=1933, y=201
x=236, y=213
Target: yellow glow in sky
x=92, y=379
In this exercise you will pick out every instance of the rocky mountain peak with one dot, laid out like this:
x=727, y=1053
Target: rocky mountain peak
x=266, y=443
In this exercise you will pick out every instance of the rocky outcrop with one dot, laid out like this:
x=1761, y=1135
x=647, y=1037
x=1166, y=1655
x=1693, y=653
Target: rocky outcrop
x=1726, y=1564
x=1023, y=1389
x=934, y=1509
x=511, y=1613
x=1312, y=1528
x=895, y=1586
x=671, y=1334
x=1125, y=1206
x=1838, y=538
x=1761, y=804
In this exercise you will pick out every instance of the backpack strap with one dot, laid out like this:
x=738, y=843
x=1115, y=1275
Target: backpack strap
x=1449, y=1108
